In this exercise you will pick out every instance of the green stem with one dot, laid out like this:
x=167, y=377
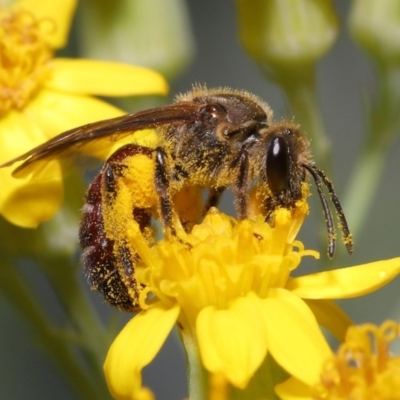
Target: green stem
x=384, y=125
x=362, y=186
x=198, y=377
x=91, y=334
x=22, y=298
x=299, y=87
x=62, y=270
x=79, y=351
x=261, y=385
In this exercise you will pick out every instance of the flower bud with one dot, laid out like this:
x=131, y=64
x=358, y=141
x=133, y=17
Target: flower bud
x=154, y=34
x=285, y=33
x=375, y=26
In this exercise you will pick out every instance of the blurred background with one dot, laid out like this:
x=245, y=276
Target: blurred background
x=346, y=87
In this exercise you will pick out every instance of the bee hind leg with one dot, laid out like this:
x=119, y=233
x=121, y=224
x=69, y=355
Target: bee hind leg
x=109, y=259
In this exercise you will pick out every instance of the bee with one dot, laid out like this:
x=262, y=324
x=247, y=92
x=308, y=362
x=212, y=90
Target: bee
x=209, y=139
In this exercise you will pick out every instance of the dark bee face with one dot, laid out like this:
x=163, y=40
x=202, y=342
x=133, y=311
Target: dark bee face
x=286, y=149
x=282, y=160
x=277, y=163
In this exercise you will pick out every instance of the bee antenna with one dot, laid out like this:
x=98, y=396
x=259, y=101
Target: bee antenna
x=316, y=174
x=319, y=178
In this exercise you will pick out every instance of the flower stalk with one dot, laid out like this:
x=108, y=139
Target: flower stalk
x=286, y=38
x=55, y=342
x=383, y=127
x=198, y=377
x=78, y=351
x=300, y=91
x=374, y=26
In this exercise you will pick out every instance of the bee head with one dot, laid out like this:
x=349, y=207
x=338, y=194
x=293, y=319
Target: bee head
x=284, y=150
x=285, y=165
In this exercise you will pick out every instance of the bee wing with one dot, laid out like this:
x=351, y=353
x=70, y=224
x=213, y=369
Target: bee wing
x=75, y=140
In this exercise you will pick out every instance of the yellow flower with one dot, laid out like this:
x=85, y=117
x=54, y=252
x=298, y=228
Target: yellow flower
x=363, y=368
x=41, y=96
x=227, y=285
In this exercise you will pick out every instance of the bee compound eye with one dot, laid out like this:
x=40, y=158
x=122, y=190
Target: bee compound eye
x=277, y=164
x=212, y=111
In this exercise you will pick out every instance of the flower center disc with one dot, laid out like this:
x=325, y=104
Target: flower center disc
x=24, y=57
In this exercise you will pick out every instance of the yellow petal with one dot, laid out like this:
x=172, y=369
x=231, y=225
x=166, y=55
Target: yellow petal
x=232, y=342
x=23, y=202
x=104, y=78
x=294, y=337
x=330, y=316
x=57, y=14
x=26, y=203
x=293, y=389
x=56, y=112
x=17, y=135
x=134, y=348
x=346, y=282
x=53, y=112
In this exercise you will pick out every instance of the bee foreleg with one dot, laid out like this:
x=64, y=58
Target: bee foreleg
x=161, y=176
x=242, y=185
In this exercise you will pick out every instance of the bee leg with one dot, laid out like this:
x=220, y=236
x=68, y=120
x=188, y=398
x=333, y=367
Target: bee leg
x=109, y=260
x=270, y=206
x=99, y=259
x=214, y=196
x=119, y=214
x=124, y=255
x=242, y=185
x=161, y=176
